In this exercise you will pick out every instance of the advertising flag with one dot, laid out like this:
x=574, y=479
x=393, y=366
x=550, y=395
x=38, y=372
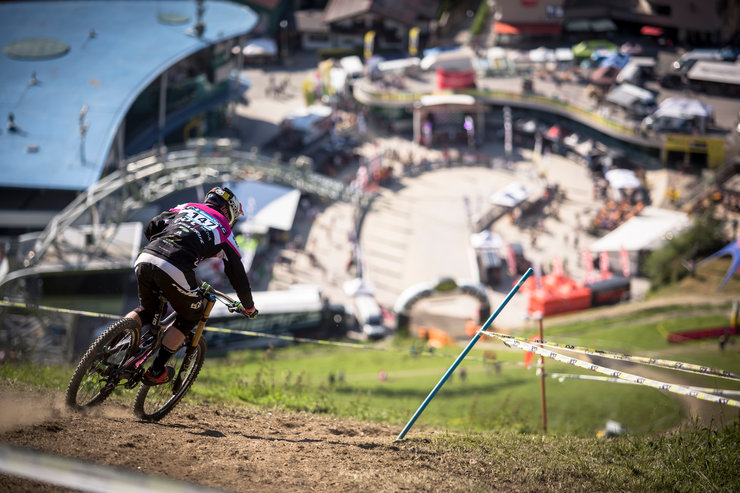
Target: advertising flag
x=538, y=276
x=508, y=147
x=414, y=41
x=557, y=266
x=604, y=263
x=624, y=259
x=588, y=264
x=369, y=44
x=510, y=260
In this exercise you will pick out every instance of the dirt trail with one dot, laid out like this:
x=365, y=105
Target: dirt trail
x=236, y=449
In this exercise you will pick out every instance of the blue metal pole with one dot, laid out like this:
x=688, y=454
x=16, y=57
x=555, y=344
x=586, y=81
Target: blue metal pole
x=463, y=354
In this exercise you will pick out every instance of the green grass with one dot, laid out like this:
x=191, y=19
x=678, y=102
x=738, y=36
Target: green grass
x=483, y=401
x=694, y=459
x=307, y=378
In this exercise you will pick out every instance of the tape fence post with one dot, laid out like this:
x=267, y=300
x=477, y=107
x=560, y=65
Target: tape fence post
x=462, y=355
x=542, y=378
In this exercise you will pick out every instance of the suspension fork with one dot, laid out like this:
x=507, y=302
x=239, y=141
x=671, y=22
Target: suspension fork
x=210, y=300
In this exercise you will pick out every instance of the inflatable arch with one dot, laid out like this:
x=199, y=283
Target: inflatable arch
x=446, y=285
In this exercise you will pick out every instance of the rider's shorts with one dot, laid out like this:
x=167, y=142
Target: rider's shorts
x=155, y=275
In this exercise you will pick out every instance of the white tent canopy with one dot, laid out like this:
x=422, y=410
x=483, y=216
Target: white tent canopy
x=511, y=195
x=622, y=179
x=541, y=54
x=436, y=99
x=260, y=47
x=647, y=231
x=358, y=286
x=683, y=108
x=460, y=59
x=627, y=94
x=485, y=240
x=337, y=79
x=266, y=206
x=712, y=71
x=401, y=65
x=352, y=65
x=302, y=118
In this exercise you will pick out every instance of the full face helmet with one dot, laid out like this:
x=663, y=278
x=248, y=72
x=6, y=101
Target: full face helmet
x=224, y=201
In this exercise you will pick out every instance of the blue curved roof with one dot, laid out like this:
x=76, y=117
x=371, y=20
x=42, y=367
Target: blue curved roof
x=130, y=48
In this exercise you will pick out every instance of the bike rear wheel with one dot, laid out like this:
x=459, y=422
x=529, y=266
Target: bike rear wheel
x=154, y=403
x=97, y=373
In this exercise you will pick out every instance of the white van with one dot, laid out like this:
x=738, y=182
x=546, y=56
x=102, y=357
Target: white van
x=369, y=316
x=635, y=100
x=688, y=59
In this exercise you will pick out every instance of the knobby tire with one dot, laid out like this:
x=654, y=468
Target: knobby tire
x=96, y=375
x=154, y=403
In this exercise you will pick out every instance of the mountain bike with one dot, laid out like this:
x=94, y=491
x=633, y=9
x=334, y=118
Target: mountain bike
x=117, y=359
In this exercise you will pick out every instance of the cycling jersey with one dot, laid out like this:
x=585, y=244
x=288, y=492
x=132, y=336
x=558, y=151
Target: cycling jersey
x=189, y=233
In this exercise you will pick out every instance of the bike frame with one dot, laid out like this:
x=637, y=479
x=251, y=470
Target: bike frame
x=132, y=369
x=210, y=295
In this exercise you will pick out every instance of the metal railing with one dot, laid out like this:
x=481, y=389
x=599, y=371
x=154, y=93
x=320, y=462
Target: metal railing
x=151, y=176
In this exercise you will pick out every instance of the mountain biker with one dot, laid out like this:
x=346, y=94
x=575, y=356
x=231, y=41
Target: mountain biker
x=180, y=239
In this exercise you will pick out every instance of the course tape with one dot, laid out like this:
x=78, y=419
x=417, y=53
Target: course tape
x=31, y=306
x=572, y=376
x=295, y=338
x=669, y=387
x=79, y=475
x=349, y=345
x=662, y=363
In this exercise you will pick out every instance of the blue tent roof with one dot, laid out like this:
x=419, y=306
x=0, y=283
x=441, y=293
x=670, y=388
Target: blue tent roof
x=733, y=249
x=115, y=50
x=618, y=60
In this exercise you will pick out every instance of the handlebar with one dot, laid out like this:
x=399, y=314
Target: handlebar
x=234, y=306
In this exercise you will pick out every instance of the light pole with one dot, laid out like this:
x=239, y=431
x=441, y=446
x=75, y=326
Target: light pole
x=283, y=38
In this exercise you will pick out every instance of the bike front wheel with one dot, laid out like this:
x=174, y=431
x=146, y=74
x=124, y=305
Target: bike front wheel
x=154, y=403
x=98, y=372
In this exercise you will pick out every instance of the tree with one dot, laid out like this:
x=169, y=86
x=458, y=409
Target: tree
x=666, y=265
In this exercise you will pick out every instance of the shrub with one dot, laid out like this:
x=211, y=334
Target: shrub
x=667, y=264
x=481, y=17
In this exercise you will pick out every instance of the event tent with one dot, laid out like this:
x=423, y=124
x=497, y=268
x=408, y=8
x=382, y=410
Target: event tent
x=352, y=65
x=682, y=110
x=511, y=195
x=622, y=179
x=684, y=107
x=485, y=240
x=555, y=294
x=260, y=47
x=617, y=60
x=631, y=97
x=265, y=206
x=643, y=233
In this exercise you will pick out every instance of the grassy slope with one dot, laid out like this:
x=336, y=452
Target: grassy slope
x=691, y=458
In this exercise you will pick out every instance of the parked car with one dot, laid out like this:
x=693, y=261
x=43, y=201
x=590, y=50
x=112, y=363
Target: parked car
x=585, y=49
x=686, y=61
x=369, y=316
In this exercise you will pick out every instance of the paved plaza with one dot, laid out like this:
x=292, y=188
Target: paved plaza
x=418, y=227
